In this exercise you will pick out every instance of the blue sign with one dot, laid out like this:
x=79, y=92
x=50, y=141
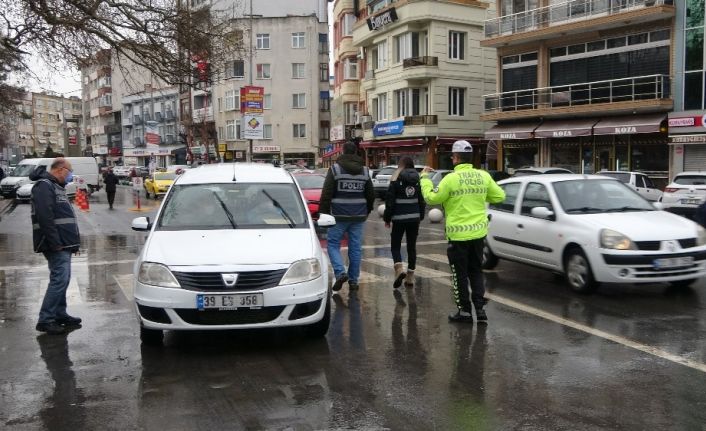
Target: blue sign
x=389, y=128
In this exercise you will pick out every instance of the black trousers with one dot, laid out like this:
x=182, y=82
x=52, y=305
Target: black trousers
x=466, y=261
x=111, y=197
x=411, y=230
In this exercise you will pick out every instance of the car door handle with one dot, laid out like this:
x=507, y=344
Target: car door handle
x=521, y=226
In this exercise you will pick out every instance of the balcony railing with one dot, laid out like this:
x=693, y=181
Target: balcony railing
x=563, y=13
x=420, y=61
x=420, y=120
x=369, y=74
x=653, y=87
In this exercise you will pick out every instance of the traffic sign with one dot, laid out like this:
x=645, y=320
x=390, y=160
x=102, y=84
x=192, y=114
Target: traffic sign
x=137, y=183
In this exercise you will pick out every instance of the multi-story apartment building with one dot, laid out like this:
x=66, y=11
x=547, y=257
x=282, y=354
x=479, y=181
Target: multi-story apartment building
x=290, y=61
x=144, y=114
x=422, y=75
x=582, y=84
x=53, y=117
x=25, y=125
x=96, y=74
x=687, y=124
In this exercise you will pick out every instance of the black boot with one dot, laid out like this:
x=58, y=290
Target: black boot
x=461, y=317
x=481, y=317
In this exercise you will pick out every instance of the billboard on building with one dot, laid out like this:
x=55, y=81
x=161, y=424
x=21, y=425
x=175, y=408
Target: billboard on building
x=152, y=133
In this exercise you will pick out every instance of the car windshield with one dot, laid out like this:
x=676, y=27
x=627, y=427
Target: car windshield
x=310, y=181
x=387, y=171
x=598, y=196
x=23, y=170
x=688, y=180
x=233, y=206
x=164, y=176
x=620, y=176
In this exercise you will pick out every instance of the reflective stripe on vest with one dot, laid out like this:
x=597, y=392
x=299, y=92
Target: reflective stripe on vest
x=406, y=201
x=65, y=221
x=349, y=193
x=406, y=217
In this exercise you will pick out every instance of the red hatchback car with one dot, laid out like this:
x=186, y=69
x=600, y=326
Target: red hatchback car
x=311, y=185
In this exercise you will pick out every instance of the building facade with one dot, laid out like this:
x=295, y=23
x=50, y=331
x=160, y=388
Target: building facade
x=25, y=125
x=56, y=119
x=96, y=89
x=583, y=85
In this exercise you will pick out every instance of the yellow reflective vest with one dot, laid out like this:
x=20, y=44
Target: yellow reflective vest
x=463, y=194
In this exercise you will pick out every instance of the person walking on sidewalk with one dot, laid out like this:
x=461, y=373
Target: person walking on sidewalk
x=55, y=234
x=111, y=183
x=404, y=209
x=463, y=194
x=348, y=195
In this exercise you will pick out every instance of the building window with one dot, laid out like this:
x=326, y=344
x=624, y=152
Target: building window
x=263, y=71
x=350, y=111
x=323, y=43
x=509, y=7
x=324, y=101
x=348, y=22
x=410, y=45
x=380, y=61
x=267, y=131
x=409, y=101
x=298, y=70
x=456, y=98
x=232, y=100
x=299, y=130
x=235, y=69
x=382, y=107
x=263, y=41
x=298, y=40
x=231, y=130
x=324, y=130
x=323, y=72
x=694, y=55
x=457, y=42
x=267, y=101
x=350, y=68
x=299, y=100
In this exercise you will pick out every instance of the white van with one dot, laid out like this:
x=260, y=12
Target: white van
x=19, y=184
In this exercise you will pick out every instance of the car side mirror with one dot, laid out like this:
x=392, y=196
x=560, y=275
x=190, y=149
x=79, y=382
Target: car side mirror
x=542, y=212
x=141, y=224
x=326, y=220
x=658, y=205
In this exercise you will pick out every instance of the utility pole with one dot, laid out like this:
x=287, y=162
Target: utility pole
x=250, y=154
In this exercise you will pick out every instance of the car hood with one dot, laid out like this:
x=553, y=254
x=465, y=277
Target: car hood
x=13, y=181
x=645, y=225
x=229, y=247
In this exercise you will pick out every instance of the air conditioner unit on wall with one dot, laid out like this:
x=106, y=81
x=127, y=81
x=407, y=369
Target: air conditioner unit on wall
x=366, y=119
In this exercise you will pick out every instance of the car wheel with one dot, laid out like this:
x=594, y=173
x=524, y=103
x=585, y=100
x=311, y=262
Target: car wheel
x=490, y=260
x=151, y=337
x=320, y=328
x=577, y=271
x=683, y=284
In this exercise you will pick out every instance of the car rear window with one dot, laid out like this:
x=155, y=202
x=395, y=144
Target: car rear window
x=387, y=171
x=690, y=180
x=622, y=177
x=310, y=181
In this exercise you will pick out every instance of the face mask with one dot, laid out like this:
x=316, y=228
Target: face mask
x=69, y=178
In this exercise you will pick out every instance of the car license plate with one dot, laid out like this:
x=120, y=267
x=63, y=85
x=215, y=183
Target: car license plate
x=691, y=201
x=229, y=302
x=672, y=262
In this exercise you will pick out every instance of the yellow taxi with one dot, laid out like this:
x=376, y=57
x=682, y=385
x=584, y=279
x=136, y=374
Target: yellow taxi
x=158, y=183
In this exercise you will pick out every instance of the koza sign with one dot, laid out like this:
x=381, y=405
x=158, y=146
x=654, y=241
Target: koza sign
x=508, y=136
x=385, y=18
x=562, y=134
x=630, y=129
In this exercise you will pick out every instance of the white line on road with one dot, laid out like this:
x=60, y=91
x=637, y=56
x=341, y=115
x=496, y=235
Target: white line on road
x=437, y=230
x=419, y=270
x=75, y=263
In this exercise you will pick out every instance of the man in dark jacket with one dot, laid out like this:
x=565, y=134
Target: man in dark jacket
x=55, y=234
x=404, y=208
x=111, y=182
x=348, y=195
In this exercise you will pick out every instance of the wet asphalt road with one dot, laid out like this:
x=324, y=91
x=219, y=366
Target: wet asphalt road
x=627, y=357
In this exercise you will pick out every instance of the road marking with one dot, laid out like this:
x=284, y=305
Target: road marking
x=75, y=263
x=126, y=284
x=368, y=277
x=419, y=270
x=441, y=258
x=437, y=230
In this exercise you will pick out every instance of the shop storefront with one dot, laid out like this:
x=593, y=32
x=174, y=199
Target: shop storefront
x=266, y=154
x=382, y=153
x=308, y=159
x=687, y=141
x=516, y=146
x=480, y=155
x=569, y=142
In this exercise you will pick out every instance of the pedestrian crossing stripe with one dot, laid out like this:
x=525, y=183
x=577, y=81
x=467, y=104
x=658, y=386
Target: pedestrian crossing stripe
x=441, y=258
x=419, y=270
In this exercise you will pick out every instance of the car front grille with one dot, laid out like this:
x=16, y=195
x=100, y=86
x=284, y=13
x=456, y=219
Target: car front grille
x=655, y=245
x=229, y=317
x=8, y=188
x=213, y=281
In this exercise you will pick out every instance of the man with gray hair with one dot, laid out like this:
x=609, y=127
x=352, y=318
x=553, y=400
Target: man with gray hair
x=55, y=234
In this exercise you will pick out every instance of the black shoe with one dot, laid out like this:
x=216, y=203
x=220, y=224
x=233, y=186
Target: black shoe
x=51, y=328
x=462, y=318
x=69, y=321
x=481, y=317
x=338, y=285
x=398, y=281
x=353, y=286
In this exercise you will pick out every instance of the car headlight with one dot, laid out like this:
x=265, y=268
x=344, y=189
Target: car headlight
x=301, y=271
x=156, y=274
x=701, y=236
x=616, y=240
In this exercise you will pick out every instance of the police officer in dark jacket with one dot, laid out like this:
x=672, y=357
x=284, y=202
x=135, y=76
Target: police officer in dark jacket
x=404, y=208
x=348, y=195
x=111, y=183
x=55, y=234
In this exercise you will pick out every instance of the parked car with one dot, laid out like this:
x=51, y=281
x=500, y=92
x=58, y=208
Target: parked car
x=523, y=172
x=24, y=193
x=439, y=175
x=158, y=183
x=311, y=185
x=685, y=193
x=85, y=167
x=123, y=171
x=592, y=229
x=381, y=181
x=637, y=181
x=248, y=258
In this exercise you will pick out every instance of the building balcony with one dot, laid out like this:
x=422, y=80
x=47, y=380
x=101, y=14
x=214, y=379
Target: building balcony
x=643, y=94
x=368, y=81
x=573, y=17
x=203, y=115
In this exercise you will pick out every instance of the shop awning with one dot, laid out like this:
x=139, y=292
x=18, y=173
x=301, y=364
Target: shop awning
x=332, y=153
x=391, y=144
x=565, y=128
x=629, y=125
x=445, y=140
x=511, y=131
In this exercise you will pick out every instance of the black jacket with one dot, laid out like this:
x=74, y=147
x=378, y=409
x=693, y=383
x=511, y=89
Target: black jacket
x=110, y=181
x=54, y=225
x=351, y=164
x=404, y=201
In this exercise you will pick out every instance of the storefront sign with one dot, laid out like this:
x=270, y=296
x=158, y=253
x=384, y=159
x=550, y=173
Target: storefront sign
x=685, y=122
x=562, y=134
x=508, y=136
x=627, y=129
x=252, y=100
x=337, y=133
x=133, y=152
x=73, y=135
x=253, y=127
x=151, y=133
x=687, y=139
x=222, y=147
x=265, y=149
x=378, y=21
x=389, y=128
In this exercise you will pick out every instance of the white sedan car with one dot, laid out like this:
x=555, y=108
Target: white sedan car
x=685, y=193
x=24, y=192
x=593, y=229
x=232, y=247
